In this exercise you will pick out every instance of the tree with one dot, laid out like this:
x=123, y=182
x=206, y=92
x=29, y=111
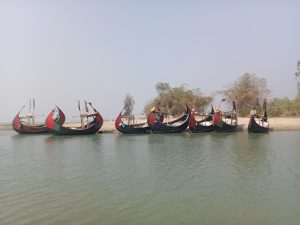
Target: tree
x=162, y=88
x=284, y=107
x=297, y=75
x=174, y=100
x=128, y=106
x=247, y=91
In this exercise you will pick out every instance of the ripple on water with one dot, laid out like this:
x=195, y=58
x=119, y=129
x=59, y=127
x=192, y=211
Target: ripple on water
x=235, y=178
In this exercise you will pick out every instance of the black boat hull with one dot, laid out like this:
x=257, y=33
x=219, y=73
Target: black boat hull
x=253, y=127
x=202, y=129
x=55, y=126
x=159, y=127
x=199, y=126
x=92, y=128
x=130, y=129
x=220, y=123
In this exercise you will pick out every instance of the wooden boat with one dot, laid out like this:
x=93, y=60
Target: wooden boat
x=259, y=124
x=225, y=122
x=204, y=125
x=156, y=124
x=56, y=119
x=28, y=127
x=124, y=128
x=23, y=127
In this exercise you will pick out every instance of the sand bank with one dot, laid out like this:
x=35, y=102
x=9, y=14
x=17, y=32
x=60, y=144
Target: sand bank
x=276, y=124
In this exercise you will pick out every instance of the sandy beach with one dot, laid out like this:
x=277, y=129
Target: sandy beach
x=276, y=124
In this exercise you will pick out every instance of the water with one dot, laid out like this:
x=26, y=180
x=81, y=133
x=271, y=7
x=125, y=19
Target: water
x=235, y=178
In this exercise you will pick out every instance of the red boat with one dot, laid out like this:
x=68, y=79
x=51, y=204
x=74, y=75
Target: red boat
x=56, y=119
x=122, y=127
x=26, y=124
x=23, y=127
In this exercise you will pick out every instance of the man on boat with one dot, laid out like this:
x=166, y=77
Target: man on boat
x=253, y=112
x=217, y=116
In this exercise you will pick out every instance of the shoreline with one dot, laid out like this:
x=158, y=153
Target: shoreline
x=276, y=124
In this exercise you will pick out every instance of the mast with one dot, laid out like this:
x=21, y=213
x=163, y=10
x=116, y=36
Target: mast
x=87, y=111
x=81, y=116
x=28, y=116
x=33, y=114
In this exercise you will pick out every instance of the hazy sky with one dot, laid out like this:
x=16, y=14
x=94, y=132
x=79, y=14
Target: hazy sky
x=58, y=51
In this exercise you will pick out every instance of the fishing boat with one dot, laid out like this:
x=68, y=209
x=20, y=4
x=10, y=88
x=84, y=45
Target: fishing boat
x=122, y=127
x=25, y=124
x=56, y=119
x=226, y=121
x=157, y=125
x=204, y=125
x=259, y=124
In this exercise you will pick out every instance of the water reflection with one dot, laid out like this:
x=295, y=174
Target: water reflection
x=218, y=178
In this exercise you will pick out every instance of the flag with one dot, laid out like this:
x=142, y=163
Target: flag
x=29, y=104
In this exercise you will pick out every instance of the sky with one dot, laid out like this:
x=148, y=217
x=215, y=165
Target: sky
x=59, y=51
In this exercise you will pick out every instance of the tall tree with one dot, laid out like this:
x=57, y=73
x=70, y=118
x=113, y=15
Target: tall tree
x=247, y=91
x=128, y=106
x=162, y=88
x=297, y=75
x=173, y=100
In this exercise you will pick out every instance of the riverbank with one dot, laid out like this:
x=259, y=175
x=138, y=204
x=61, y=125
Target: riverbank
x=276, y=124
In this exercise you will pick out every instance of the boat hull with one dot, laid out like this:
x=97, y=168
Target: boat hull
x=23, y=128
x=55, y=126
x=225, y=127
x=159, y=127
x=92, y=129
x=199, y=126
x=253, y=127
x=202, y=129
x=222, y=125
x=130, y=129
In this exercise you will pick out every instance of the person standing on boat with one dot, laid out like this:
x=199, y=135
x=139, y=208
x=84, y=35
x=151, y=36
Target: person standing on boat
x=253, y=112
x=217, y=116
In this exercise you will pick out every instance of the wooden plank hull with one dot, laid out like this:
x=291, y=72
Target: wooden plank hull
x=24, y=128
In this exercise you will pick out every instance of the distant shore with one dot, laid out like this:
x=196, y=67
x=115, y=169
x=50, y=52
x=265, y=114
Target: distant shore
x=276, y=124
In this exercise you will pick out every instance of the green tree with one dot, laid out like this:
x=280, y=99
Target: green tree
x=174, y=100
x=297, y=75
x=284, y=107
x=162, y=88
x=247, y=91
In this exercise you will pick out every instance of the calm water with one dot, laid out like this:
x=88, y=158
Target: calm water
x=236, y=178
